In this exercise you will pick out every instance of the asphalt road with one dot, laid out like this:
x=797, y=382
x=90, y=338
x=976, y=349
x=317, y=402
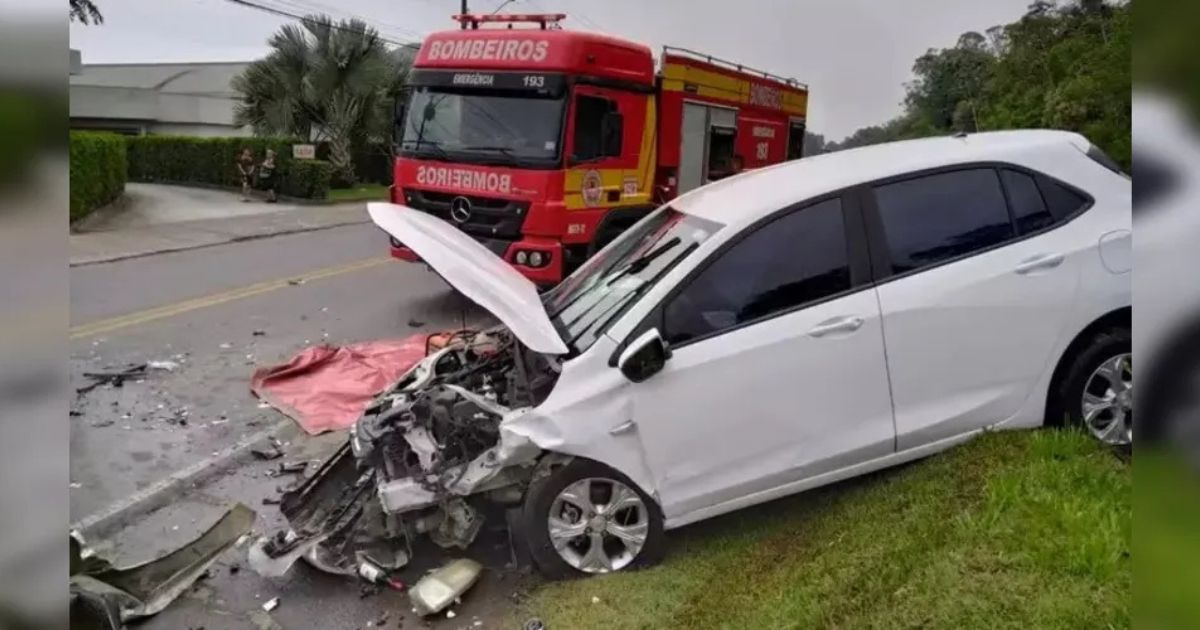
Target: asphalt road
x=219, y=312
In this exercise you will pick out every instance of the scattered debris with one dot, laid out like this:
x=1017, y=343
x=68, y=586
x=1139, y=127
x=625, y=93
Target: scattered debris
x=114, y=379
x=380, y=621
x=169, y=366
x=415, y=323
x=296, y=281
x=108, y=597
x=440, y=588
x=271, y=604
x=234, y=568
x=103, y=423
x=270, y=501
x=264, y=405
x=76, y=485
x=534, y=624
x=595, y=600
x=226, y=346
x=74, y=413
x=397, y=585
x=258, y=333
x=293, y=468
x=450, y=614
x=273, y=451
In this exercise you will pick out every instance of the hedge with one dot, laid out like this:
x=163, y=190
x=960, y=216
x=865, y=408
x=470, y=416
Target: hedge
x=98, y=171
x=212, y=162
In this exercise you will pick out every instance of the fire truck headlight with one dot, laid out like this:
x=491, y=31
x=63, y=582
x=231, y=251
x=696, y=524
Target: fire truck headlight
x=535, y=259
x=522, y=257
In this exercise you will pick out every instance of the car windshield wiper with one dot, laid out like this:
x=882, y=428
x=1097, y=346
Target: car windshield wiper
x=436, y=146
x=505, y=151
x=643, y=261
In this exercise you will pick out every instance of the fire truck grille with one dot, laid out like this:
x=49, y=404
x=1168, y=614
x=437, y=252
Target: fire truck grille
x=488, y=218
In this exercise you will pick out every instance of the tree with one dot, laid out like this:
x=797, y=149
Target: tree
x=86, y=12
x=323, y=81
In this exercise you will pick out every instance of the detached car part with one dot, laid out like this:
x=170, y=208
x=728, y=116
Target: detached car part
x=104, y=596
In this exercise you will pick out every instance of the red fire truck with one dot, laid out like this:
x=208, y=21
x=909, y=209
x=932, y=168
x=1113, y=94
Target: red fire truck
x=544, y=143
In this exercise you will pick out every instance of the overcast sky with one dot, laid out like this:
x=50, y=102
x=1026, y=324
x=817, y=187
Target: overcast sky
x=854, y=54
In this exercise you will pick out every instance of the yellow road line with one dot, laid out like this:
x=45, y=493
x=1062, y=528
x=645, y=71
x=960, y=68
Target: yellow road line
x=178, y=308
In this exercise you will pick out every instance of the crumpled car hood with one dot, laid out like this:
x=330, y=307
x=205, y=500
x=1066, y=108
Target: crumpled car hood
x=475, y=271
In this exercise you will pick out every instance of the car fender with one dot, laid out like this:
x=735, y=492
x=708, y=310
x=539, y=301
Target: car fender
x=587, y=414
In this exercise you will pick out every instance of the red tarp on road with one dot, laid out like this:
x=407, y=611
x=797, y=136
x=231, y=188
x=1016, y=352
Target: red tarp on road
x=326, y=388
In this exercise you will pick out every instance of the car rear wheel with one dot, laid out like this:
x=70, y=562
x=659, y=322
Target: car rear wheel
x=1097, y=392
x=586, y=518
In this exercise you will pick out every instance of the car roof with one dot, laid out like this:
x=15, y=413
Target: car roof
x=748, y=196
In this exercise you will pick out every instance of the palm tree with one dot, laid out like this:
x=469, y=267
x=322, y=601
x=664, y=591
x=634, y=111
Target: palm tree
x=85, y=11
x=323, y=81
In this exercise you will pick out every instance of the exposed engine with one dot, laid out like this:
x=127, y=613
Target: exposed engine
x=419, y=461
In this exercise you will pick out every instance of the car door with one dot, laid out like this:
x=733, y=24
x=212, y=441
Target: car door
x=974, y=294
x=777, y=370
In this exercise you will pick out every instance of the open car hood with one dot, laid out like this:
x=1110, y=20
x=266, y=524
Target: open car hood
x=475, y=271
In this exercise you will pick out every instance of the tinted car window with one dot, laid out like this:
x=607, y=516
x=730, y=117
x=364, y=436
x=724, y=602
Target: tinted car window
x=1062, y=201
x=1029, y=209
x=793, y=260
x=933, y=218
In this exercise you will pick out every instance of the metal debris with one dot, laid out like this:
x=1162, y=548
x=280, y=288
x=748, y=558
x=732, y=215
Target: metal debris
x=271, y=604
x=114, y=379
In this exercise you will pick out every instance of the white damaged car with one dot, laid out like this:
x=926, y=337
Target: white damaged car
x=780, y=330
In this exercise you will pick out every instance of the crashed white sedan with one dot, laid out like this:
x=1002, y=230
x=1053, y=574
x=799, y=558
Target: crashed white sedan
x=777, y=331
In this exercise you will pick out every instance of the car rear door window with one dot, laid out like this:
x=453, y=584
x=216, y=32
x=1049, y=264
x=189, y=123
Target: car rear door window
x=794, y=260
x=934, y=218
x=1029, y=209
x=1062, y=201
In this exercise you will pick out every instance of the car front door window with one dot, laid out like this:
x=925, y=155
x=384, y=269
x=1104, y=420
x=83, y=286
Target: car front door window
x=789, y=262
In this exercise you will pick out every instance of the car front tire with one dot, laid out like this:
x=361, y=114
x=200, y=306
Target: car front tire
x=586, y=518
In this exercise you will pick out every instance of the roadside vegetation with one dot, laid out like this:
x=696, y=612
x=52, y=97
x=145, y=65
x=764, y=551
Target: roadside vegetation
x=1061, y=66
x=361, y=192
x=1012, y=530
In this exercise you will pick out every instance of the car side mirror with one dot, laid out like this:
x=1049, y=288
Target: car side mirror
x=645, y=357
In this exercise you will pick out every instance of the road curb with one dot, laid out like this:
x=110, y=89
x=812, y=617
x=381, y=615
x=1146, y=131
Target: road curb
x=142, y=502
x=226, y=241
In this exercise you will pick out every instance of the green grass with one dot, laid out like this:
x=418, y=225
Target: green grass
x=1013, y=530
x=364, y=192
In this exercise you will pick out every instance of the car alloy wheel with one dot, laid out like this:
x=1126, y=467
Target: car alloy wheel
x=598, y=525
x=1107, y=402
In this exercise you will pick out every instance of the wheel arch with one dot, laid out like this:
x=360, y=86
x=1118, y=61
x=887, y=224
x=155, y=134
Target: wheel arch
x=1117, y=318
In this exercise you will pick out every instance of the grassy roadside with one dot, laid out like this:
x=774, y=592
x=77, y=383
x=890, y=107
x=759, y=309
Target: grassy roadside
x=1014, y=530
x=363, y=192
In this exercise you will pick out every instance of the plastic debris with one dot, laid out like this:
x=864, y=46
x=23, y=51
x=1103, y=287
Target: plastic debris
x=595, y=600
x=226, y=346
x=271, y=604
x=450, y=614
x=169, y=366
x=440, y=588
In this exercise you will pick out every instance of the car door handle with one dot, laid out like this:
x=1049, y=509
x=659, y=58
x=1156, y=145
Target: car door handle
x=836, y=325
x=624, y=427
x=1039, y=262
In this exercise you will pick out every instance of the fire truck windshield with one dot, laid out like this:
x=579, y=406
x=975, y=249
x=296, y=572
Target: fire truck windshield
x=508, y=128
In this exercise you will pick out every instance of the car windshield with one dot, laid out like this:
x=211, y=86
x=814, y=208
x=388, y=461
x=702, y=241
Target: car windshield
x=584, y=304
x=493, y=127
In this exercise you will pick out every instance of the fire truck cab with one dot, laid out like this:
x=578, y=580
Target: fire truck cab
x=544, y=144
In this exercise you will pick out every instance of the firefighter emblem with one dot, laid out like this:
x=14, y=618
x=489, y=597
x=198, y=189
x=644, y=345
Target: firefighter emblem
x=592, y=189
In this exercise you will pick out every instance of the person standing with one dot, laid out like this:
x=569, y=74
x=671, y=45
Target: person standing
x=266, y=173
x=245, y=165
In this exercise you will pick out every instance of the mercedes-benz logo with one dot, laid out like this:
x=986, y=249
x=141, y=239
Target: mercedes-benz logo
x=460, y=209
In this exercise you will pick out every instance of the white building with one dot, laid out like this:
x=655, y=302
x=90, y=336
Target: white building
x=193, y=99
